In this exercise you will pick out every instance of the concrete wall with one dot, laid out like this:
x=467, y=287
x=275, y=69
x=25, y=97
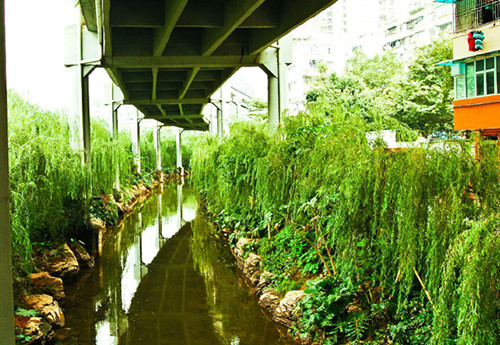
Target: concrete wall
x=491, y=41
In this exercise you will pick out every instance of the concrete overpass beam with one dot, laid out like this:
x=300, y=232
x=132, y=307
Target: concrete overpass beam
x=7, y=335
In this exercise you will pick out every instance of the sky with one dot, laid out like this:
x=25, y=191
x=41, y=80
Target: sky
x=35, y=50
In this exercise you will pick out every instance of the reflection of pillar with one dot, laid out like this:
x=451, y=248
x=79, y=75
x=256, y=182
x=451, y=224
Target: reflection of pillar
x=179, y=151
x=6, y=296
x=136, y=142
x=159, y=204
x=157, y=140
x=179, y=203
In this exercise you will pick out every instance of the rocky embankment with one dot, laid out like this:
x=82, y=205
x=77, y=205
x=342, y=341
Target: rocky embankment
x=280, y=308
x=40, y=312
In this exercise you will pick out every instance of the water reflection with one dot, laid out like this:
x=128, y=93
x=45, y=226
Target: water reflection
x=165, y=278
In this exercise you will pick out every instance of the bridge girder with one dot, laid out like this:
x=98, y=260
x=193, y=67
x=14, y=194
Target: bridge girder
x=165, y=52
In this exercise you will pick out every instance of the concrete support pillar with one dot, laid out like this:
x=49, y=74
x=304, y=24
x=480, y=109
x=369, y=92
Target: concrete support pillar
x=7, y=335
x=76, y=49
x=220, y=113
x=80, y=124
x=136, y=142
x=275, y=61
x=6, y=294
x=283, y=88
x=116, y=182
x=179, y=151
x=273, y=102
x=220, y=123
x=157, y=140
x=85, y=120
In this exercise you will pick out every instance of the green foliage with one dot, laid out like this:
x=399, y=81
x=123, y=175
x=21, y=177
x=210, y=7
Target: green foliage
x=47, y=178
x=103, y=209
x=109, y=155
x=48, y=182
x=167, y=148
x=326, y=312
x=390, y=97
x=27, y=312
x=425, y=100
x=407, y=242
x=377, y=73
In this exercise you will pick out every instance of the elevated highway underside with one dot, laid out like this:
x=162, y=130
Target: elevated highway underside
x=168, y=57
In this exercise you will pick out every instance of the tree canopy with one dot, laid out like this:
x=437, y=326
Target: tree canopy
x=388, y=94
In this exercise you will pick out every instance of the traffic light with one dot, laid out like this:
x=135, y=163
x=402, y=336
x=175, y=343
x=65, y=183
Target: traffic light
x=475, y=40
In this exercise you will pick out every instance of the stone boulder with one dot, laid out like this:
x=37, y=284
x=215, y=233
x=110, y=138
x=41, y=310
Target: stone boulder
x=120, y=208
x=269, y=300
x=35, y=330
x=62, y=262
x=81, y=254
x=44, y=283
x=264, y=281
x=285, y=312
x=239, y=250
x=47, y=307
x=96, y=224
x=251, y=268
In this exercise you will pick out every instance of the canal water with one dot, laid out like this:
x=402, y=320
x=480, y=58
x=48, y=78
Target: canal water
x=164, y=278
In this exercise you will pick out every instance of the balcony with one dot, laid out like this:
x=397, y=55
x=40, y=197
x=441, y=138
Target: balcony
x=473, y=13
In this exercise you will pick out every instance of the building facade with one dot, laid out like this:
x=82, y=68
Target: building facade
x=330, y=39
x=476, y=65
x=418, y=27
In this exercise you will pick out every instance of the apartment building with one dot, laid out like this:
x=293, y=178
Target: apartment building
x=418, y=27
x=331, y=38
x=476, y=65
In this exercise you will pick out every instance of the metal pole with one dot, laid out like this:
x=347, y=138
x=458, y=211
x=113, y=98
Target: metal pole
x=7, y=334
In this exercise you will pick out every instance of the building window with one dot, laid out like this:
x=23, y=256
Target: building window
x=472, y=13
x=481, y=78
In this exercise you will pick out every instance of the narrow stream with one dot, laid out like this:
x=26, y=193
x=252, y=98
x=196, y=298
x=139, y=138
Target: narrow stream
x=164, y=278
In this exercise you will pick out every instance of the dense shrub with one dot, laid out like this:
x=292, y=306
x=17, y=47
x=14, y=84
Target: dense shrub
x=396, y=245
